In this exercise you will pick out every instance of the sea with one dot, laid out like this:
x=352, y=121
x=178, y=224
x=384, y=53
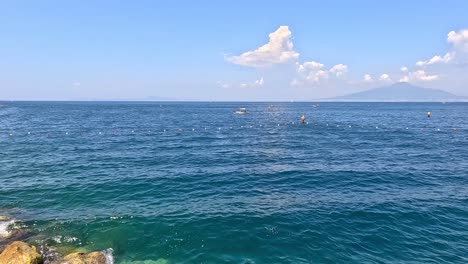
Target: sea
x=192, y=182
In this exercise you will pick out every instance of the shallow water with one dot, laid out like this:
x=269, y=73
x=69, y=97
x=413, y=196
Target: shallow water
x=194, y=183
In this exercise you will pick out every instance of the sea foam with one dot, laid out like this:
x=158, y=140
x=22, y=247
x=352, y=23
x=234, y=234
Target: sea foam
x=5, y=227
x=109, y=256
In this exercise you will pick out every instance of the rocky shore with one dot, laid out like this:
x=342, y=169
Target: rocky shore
x=15, y=250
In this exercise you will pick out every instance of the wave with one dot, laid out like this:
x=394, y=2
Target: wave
x=109, y=256
x=5, y=230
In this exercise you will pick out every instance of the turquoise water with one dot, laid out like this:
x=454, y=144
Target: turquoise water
x=194, y=183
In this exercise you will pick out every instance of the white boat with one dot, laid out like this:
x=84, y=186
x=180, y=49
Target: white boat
x=241, y=111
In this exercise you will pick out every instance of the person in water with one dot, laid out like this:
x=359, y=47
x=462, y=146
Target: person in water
x=429, y=114
x=303, y=119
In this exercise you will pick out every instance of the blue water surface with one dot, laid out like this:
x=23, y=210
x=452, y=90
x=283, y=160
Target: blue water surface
x=195, y=183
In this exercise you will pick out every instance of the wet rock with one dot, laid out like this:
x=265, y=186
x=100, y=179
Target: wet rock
x=20, y=253
x=83, y=258
x=14, y=235
x=50, y=255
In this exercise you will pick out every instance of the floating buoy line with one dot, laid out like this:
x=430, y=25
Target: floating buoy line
x=167, y=131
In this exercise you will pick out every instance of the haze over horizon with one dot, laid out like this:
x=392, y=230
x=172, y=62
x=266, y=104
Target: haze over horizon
x=238, y=51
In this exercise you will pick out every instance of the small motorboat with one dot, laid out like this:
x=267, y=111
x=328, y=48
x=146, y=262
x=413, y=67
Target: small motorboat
x=240, y=111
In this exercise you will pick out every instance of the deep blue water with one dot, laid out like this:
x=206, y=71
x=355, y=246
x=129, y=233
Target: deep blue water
x=194, y=183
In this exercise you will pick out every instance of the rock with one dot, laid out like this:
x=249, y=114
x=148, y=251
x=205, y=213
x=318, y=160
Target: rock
x=14, y=235
x=83, y=258
x=20, y=253
x=4, y=218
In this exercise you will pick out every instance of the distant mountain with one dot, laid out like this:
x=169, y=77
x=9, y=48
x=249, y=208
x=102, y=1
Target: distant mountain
x=400, y=92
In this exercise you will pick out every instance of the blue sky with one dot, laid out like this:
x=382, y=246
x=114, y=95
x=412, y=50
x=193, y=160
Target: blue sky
x=69, y=50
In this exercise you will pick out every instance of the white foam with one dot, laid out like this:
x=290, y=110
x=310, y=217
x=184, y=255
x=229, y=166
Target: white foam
x=109, y=256
x=66, y=239
x=4, y=227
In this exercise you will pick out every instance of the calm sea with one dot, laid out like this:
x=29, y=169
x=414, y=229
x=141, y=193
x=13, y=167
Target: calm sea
x=195, y=183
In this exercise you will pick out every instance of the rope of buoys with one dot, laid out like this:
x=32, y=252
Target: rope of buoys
x=384, y=127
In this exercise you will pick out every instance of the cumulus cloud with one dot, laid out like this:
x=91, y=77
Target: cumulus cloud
x=319, y=75
x=449, y=56
x=368, y=78
x=313, y=72
x=419, y=75
x=309, y=66
x=384, y=77
x=279, y=49
x=339, y=70
x=404, y=69
x=459, y=39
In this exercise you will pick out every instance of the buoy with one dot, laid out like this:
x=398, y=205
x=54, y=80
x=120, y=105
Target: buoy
x=303, y=119
x=428, y=114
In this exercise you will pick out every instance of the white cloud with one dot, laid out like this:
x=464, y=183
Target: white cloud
x=404, y=69
x=259, y=82
x=459, y=39
x=279, y=49
x=422, y=75
x=309, y=66
x=256, y=83
x=368, y=78
x=404, y=79
x=339, y=69
x=317, y=76
x=437, y=59
x=384, y=77
x=312, y=72
x=419, y=75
